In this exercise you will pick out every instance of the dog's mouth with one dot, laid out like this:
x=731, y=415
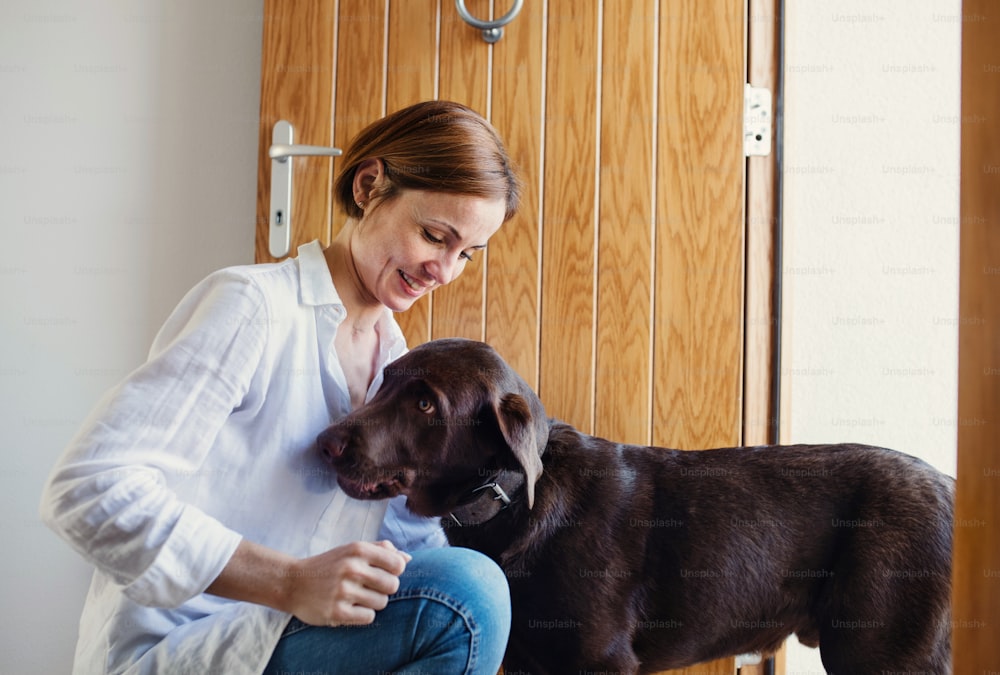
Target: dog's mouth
x=382, y=488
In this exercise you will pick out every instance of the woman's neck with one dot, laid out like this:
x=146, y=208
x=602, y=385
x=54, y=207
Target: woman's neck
x=363, y=310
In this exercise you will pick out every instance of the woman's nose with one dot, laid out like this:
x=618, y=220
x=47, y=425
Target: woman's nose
x=446, y=269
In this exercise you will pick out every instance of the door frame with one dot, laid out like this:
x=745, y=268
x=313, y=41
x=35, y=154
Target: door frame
x=976, y=559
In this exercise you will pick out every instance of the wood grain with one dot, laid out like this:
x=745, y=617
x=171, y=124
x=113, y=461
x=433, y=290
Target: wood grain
x=296, y=85
x=566, y=378
x=976, y=576
x=360, y=88
x=513, y=277
x=412, y=61
x=699, y=240
x=625, y=231
x=457, y=309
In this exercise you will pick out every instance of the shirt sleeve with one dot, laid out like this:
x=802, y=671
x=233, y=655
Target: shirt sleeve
x=109, y=495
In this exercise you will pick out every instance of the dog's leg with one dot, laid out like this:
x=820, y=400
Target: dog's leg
x=887, y=612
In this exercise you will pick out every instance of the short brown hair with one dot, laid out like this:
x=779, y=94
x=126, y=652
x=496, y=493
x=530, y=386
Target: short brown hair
x=440, y=146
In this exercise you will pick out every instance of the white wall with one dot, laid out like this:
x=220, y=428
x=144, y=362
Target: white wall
x=127, y=172
x=871, y=226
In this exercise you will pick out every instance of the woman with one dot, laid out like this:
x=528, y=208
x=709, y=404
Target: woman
x=221, y=540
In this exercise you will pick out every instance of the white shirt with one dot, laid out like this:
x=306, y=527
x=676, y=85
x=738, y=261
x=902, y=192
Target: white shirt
x=210, y=441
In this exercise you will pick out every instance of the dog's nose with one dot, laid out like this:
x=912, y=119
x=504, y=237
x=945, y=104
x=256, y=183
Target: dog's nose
x=332, y=442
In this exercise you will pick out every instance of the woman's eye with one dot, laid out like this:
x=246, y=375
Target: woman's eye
x=425, y=406
x=431, y=238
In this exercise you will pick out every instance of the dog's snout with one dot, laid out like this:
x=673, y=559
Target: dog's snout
x=332, y=442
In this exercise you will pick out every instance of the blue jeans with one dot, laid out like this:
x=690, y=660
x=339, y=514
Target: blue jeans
x=451, y=616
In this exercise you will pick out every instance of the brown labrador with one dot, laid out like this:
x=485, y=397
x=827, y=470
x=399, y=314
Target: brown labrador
x=630, y=559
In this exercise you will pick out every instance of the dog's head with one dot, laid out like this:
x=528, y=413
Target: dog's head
x=448, y=415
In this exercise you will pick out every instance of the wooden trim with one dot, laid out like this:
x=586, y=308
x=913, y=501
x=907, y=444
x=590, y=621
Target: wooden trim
x=976, y=575
x=762, y=219
x=762, y=311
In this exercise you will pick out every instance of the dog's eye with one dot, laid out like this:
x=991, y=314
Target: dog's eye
x=425, y=406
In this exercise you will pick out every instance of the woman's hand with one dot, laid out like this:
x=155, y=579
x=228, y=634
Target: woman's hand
x=344, y=586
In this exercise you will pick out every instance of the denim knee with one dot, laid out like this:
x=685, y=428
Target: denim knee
x=450, y=615
x=473, y=586
x=471, y=577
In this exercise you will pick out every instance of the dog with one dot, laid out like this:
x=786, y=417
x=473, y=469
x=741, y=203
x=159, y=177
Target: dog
x=631, y=559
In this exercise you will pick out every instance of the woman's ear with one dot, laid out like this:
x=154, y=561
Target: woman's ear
x=369, y=175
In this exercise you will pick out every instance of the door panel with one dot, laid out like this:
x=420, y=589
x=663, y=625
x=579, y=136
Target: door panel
x=412, y=69
x=698, y=294
x=626, y=223
x=359, y=88
x=617, y=291
x=566, y=373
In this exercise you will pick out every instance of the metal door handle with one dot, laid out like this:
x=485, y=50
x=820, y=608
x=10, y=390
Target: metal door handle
x=282, y=152
x=280, y=218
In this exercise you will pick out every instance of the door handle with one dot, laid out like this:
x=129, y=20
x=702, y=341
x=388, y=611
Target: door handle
x=492, y=30
x=280, y=218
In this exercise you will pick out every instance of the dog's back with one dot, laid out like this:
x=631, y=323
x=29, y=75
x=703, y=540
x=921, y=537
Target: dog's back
x=663, y=558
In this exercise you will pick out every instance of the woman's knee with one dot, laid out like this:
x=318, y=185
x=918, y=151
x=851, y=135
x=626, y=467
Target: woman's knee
x=469, y=580
x=457, y=602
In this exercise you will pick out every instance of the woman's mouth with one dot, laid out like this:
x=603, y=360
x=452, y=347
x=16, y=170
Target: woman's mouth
x=415, y=287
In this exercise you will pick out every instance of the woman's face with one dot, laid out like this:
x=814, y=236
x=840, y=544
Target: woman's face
x=417, y=241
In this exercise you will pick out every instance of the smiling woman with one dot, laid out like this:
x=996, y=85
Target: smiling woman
x=407, y=242
x=423, y=189
x=197, y=482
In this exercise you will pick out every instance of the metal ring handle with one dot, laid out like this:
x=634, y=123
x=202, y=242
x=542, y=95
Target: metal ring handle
x=492, y=30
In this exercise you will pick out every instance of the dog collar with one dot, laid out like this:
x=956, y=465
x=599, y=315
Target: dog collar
x=487, y=500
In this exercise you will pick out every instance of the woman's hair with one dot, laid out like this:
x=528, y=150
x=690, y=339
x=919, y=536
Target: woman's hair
x=440, y=146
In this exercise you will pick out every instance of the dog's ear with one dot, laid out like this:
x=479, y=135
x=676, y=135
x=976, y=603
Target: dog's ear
x=519, y=430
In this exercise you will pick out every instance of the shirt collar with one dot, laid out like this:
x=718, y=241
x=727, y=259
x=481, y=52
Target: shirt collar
x=317, y=289
x=314, y=277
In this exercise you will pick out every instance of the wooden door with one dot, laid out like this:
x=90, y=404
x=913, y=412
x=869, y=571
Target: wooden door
x=617, y=292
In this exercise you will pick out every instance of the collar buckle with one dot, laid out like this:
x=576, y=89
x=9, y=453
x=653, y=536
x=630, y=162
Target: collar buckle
x=500, y=495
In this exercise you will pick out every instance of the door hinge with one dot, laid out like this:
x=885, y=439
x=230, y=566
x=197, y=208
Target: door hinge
x=756, y=120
